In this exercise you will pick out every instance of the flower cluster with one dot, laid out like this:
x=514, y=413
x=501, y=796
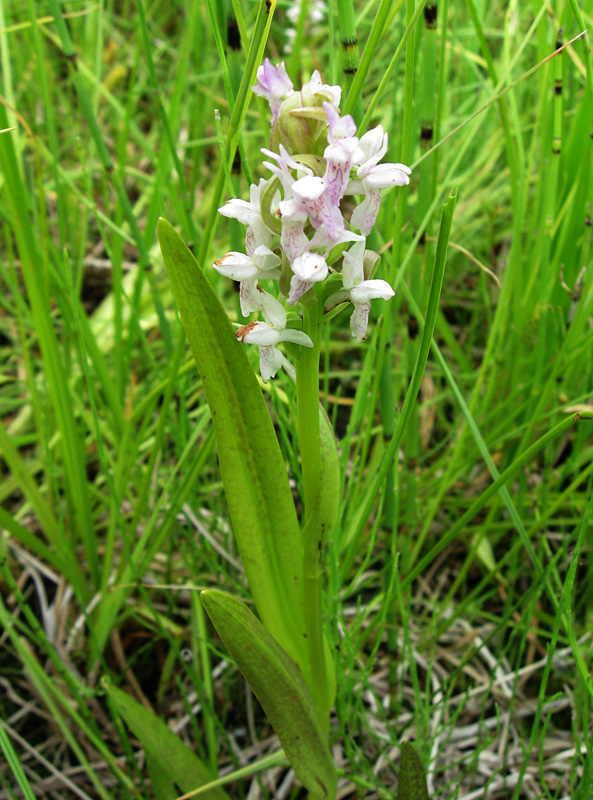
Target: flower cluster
x=296, y=230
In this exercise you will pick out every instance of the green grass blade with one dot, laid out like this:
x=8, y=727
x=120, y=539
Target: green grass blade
x=171, y=763
x=15, y=765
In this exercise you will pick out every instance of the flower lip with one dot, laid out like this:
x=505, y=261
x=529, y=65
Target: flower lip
x=310, y=187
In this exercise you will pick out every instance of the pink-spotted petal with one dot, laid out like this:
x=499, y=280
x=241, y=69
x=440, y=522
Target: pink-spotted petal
x=364, y=215
x=293, y=239
x=359, y=320
x=270, y=361
x=298, y=287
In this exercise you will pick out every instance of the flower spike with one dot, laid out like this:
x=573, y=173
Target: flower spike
x=296, y=231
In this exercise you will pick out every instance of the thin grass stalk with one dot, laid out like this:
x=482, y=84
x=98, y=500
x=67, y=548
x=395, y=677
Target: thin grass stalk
x=349, y=50
x=22, y=312
x=295, y=59
x=175, y=492
x=38, y=635
x=573, y=335
x=53, y=699
x=363, y=507
x=416, y=380
x=332, y=51
x=71, y=445
x=231, y=79
x=115, y=518
x=540, y=274
x=502, y=105
x=367, y=58
x=410, y=27
x=13, y=762
x=502, y=309
x=202, y=656
x=588, y=58
x=186, y=199
x=479, y=504
x=50, y=117
x=256, y=49
x=427, y=101
x=586, y=43
x=442, y=82
x=107, y=164
x=235, y=60
x=386, y=394
x=563, y=617
x=498, y=93
x=446, y=479
x=387, y=399
x=8, y=88
x=510, y=305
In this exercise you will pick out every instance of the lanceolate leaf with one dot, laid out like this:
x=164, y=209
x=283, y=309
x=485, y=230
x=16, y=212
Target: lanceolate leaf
x=253, y=471
x=412, y=778
x=279, y=687
x=172, y=766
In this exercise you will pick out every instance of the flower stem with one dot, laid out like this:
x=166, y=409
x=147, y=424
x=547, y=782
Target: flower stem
x=307, y=384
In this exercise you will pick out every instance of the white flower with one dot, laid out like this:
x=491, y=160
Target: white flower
x=308, y=269
x=371, y=177
x=240, y=267
x=358, y=291
x=266, y=336
x=249, y=213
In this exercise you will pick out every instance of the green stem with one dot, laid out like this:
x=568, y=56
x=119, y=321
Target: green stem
x=307, y=386
x=307, y=373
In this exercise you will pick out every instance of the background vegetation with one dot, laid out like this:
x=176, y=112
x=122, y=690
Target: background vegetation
x=469, y=635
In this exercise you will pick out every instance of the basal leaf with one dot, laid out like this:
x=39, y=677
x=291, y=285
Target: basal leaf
x=412, y=777
x=253, y=470
x=279, y=687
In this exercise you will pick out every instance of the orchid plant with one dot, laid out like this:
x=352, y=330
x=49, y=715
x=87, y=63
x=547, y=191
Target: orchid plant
x=305, y=260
